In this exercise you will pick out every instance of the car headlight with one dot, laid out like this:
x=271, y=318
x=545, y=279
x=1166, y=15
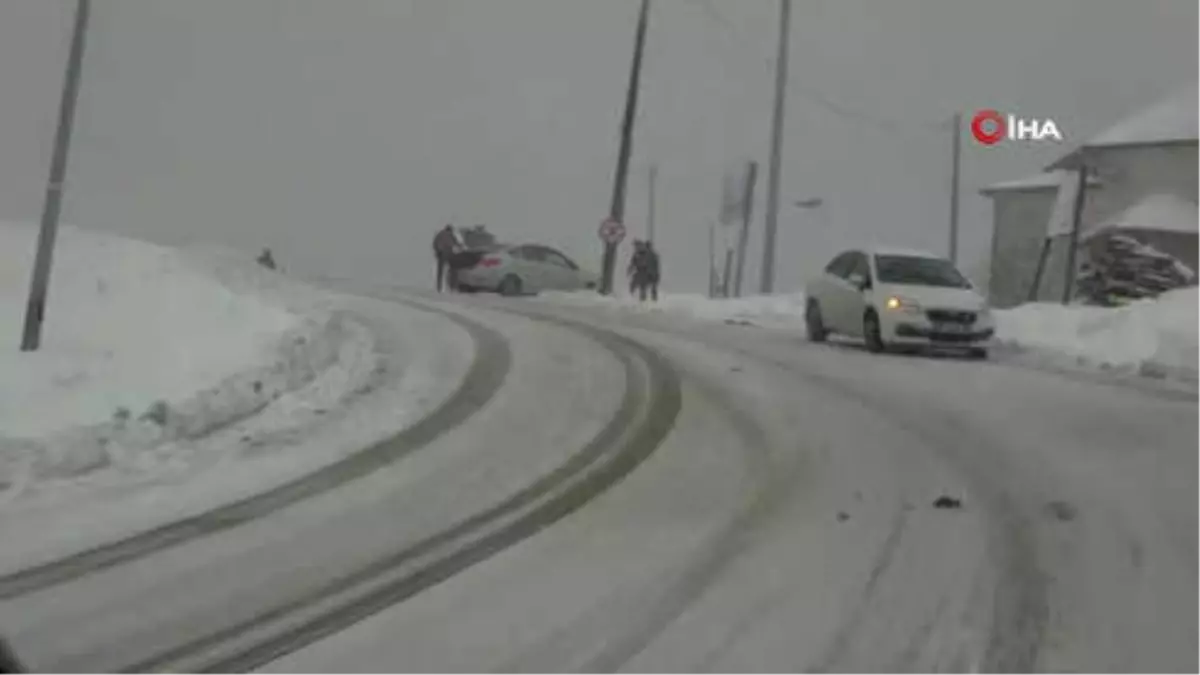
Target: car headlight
x=899, y=304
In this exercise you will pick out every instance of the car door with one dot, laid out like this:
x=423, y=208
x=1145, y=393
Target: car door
x=563, y=275
x=527, y=264
x=855, y=297
x=828, y=291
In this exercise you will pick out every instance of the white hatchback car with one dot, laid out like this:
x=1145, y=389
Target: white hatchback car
x=898, y=298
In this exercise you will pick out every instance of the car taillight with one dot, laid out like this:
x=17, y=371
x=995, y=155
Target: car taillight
x=489, y=262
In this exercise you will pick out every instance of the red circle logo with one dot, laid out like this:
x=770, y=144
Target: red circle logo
x=987, y=126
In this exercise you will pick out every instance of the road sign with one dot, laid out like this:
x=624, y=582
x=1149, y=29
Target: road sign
x=611, y=231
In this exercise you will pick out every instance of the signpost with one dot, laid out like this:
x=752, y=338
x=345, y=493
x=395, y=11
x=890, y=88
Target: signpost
x=611, y=232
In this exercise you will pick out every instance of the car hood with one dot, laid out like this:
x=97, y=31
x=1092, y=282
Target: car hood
x=964, y=299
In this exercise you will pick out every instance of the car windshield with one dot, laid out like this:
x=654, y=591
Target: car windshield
x=913, y=270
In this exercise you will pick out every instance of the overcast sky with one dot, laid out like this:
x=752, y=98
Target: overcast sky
x=343, y=133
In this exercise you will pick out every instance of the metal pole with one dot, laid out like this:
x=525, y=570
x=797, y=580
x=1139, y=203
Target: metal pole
x=712, y=263
x=955, y=164
x=653, y=187
x=35, y=309
x=1039, y=270
x=781, y=68
x=744, y=235
x=727, y=275
x=617, y=208
x=1076, y=218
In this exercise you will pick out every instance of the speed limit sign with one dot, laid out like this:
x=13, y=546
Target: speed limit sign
x=612, y=231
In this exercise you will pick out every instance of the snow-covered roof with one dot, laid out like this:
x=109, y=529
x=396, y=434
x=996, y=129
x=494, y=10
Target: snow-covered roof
x=1044, y=180
x=1161, y=212
x=1172, y=120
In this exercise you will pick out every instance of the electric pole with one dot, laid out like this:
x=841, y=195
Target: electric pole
x=653, y=187
x=616, y=210
x=744, y=235
x=781, y=69
x=1076, y=219
x=712, y=262
x=955, y=163
x=35, y=309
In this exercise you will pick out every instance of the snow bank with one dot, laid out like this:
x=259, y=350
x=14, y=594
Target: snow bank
x=143, y=347
x=785, y=310
x=1155, y=337
x=1160, y=212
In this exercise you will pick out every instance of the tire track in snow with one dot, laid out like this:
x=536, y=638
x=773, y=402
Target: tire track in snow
x=1018, y=596
x=488, y=370
x=1020, y=606
x=647, y=413
x=610, y=634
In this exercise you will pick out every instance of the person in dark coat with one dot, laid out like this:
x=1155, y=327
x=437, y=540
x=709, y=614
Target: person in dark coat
x=267, y=259
x=445, y=245
x=643, y=270
x=636, y=261
x=653, y=272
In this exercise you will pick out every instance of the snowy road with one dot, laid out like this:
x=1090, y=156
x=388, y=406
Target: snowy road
x=785, y=522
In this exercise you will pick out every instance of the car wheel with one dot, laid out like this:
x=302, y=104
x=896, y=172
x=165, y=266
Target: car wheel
x=871, y=333
x=814, y=323
x=510, y=285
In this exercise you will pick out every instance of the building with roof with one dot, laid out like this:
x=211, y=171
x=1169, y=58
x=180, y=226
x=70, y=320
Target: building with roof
x=1021, y=210
x=1147, y=160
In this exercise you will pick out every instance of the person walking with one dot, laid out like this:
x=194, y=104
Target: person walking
x=267, y=259
x=640, y=270
x=636, y=261
x=445, y=245
x=653, y=271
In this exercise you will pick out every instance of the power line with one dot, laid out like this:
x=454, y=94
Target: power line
x=809, y=94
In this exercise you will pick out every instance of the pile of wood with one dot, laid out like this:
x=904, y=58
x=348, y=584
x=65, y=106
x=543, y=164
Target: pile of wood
x=1120, y=269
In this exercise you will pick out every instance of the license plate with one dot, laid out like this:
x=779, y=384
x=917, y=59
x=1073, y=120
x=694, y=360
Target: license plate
x=951, y=328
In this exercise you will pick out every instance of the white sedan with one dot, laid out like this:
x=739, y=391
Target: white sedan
x=523, y=269
x=898, y=298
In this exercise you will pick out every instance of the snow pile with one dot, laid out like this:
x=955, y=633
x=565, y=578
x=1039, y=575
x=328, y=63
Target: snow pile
x=1155, y=337
x=143, y=349
x=784, y=310
x=1158, y=212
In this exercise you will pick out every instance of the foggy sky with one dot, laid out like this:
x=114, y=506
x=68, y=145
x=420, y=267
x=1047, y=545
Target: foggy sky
x=343, y=133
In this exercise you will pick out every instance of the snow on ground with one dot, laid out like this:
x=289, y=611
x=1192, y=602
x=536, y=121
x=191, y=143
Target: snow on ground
x=138, y=348
x=1153, y=337
x=783, y=310
x=172, y=381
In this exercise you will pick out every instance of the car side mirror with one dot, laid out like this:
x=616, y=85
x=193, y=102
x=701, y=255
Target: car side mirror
x=859, y=281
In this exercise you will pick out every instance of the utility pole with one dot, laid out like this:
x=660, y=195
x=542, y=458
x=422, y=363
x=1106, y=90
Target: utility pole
x=617, y=209
x=955, y=164
x=712, y=263
x=35, y=309
x=744, y=235
x=650, y=207
x=1076, y=219
x=727, y=274
x=781, y=68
